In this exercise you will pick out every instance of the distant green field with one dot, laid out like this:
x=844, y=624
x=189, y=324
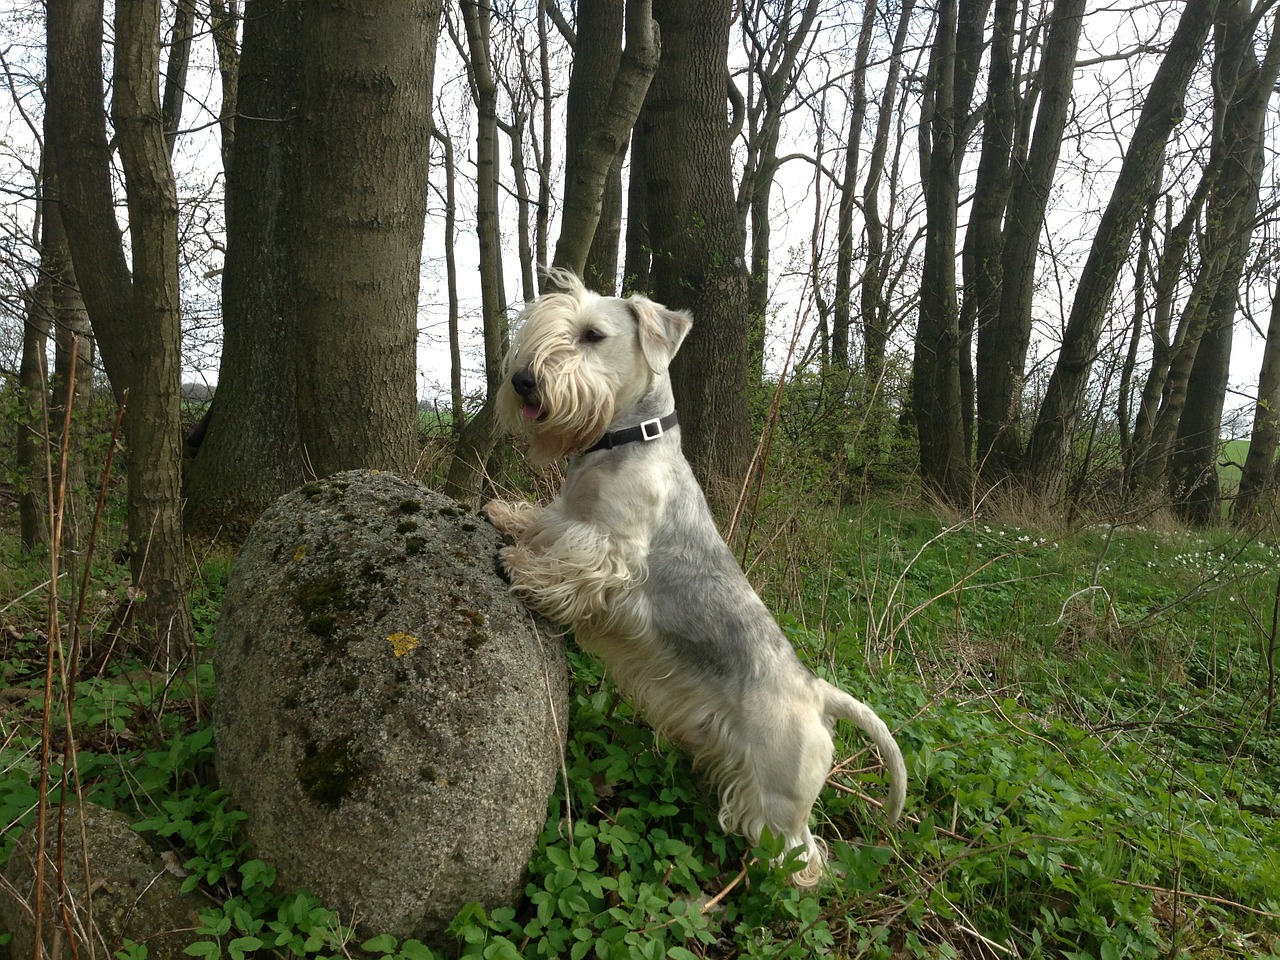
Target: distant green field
x=1230, y=462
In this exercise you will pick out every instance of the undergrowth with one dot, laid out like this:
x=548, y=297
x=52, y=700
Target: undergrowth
x=1084, y=717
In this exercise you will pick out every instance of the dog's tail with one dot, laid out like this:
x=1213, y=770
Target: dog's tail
x=841, y=706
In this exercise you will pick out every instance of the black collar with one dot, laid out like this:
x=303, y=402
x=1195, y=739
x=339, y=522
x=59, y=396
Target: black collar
x=646, y=431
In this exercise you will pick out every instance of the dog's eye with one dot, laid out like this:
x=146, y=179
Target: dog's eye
x=592, y=335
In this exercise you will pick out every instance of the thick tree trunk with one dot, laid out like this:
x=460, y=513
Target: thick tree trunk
x=251, y=452
x=72, y=383
x=1193, y=473
x=984, y=238
x=1044, y=464
x=361, y=211
x=696, y=236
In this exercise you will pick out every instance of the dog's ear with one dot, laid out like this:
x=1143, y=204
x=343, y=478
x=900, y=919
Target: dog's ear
x=661, y=330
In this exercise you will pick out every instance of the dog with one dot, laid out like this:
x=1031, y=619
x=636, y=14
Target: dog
x=628, y=555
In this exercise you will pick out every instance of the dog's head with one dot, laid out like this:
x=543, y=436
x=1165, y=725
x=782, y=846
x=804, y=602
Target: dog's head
x=578, y=361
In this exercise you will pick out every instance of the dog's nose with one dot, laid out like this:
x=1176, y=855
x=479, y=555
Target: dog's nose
x=523, y=383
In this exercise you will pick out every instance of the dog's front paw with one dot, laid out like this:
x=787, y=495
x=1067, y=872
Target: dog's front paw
x=500, y=565
x=492, y=511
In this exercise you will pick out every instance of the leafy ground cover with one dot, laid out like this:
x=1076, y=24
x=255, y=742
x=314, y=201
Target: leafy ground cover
x=1087, y=718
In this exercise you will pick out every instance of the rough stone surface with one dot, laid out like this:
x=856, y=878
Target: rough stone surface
x=133, y=896
x=387, y=715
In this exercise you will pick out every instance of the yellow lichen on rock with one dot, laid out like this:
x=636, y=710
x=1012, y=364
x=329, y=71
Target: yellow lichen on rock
x=402, y=643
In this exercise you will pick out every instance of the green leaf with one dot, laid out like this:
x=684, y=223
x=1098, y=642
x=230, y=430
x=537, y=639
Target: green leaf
x=385, y=943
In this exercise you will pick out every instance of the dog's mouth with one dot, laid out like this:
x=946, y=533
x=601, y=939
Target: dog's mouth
x=533, y=411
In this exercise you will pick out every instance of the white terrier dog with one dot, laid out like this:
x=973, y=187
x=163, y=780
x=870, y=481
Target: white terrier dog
x=629, y=556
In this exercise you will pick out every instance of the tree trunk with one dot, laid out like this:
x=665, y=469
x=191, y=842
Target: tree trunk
x=251, y=452
x=776, y=50
x=842, y=296
x=1184, y=454
x=606, y=92
x=448, y=168
x=696, y=236
x=33, y=422
x=938, y=401
x=1258, y=478
x=1248, y=86
x=361, y=212
x=1172, y=257
x=135, y=317
x=1044, y=464
x=1003, y=341
x=72, y=384
x=223, y=15
x=175, y=74
x=476, y=442
x=154, y=429
x=637, y=263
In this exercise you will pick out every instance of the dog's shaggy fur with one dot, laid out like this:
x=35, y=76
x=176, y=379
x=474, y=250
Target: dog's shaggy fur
x=629, y=556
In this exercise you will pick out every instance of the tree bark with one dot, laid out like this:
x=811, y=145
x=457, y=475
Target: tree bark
x=72, y=383
x=1044, y=463
x=1003, y=340
x=252, y=451
x=1247, y=87
x=135, y=317
x=33, y=421
x=938, y=400
x=696, y=237
x=875, y=311
x=361, y=212
x=1258, y=478
x=475, y=444
x=175, y=75
x=842, y=296
x=606, y=92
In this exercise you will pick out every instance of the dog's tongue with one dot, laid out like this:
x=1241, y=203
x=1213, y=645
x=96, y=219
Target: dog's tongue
x=532, y=411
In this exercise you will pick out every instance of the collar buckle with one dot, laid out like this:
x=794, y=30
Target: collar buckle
x=651, y=429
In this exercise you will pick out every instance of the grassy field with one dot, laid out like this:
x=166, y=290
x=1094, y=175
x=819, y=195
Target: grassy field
x=1086, y=714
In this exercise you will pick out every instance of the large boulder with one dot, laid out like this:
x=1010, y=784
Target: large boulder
x=127, y=894
x=389, y=718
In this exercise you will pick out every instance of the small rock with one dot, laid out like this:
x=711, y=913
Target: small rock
x=131, y=895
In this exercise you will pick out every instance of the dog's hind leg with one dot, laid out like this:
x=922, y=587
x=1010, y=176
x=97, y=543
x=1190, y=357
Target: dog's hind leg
x=785, y=769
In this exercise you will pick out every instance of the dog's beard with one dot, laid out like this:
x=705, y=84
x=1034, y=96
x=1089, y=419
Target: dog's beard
x=571, y=411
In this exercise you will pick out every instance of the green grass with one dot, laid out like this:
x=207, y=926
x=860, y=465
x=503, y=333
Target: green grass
x=1083, y=715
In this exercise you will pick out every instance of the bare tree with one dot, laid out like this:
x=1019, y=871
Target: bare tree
x=938, y=398
x=1045, y=460
x=476, y=441
x=1244, y=88
x=606, y=92
x=776, y=43
x=133, y=305
x=1004, y=315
